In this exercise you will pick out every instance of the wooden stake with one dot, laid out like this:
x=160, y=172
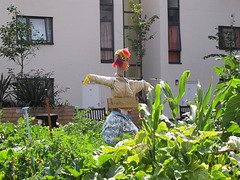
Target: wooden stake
x=49, y=117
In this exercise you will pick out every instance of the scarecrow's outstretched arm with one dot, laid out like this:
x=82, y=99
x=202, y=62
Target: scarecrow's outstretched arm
x=104, y=80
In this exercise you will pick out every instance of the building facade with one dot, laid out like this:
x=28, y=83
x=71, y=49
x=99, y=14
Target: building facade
x=86, y=33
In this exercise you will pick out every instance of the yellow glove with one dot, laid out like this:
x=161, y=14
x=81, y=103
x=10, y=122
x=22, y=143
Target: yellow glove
x=86, y=80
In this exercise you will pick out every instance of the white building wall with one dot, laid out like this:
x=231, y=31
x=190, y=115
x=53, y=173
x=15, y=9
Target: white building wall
x=198, y=20
x=76, y=49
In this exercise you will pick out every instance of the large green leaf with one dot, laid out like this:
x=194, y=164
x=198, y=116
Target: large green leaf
x=150, y=99
x=206, y=125
x=104, y=158
x=182, y=85
x=209, y=133
x=120, y=151
x=193, y=113
x=109, y=149
x=234, y=129
x=162, y=127
x=3, y=155
x=219, y=70
x=207, y=96
x=140, y=174
x=140, y=137
x=221, y=94
x=232, y=106
x=115, y=170
x=189, y=130
x=200, y=173
x=166, y=89
x=93, y=176
x=157, y=98
x=147, y=114
x=146, y=121
x=157, y=108
x=199, y=96
x=230, y=63
x=136, y=158
x=74, y=172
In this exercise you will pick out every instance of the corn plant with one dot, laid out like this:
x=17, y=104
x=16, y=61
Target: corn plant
x=201, y=112
x=153, y=110
x=173, y=102
x=152, y=116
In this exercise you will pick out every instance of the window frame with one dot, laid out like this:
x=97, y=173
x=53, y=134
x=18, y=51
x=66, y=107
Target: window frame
x=222, y=44
x=176, y=23
x=112, y=22
x=125, y=27
x=49, y=40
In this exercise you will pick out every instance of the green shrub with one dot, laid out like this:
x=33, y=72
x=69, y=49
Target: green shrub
x=30, y=89
x=5, y=83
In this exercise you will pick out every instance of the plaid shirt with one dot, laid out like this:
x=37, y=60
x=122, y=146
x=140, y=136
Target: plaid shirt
x=116, y=125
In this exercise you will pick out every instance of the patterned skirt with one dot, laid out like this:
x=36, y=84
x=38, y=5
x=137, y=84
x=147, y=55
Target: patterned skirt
x=116, y=125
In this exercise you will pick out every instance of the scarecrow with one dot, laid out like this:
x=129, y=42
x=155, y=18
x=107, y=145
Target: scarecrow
x=118, y=122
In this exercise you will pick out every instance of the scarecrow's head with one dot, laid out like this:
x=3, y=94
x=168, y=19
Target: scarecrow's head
x=122, y=58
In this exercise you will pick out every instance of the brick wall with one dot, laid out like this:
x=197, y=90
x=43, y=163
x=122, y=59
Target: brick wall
x=12, y=114
x=65, y=114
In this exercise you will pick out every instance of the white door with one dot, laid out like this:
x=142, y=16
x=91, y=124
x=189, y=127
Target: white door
x=190, y=93
x=91, y=95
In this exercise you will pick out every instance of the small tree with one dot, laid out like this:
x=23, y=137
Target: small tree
x=17, y=44
x=141, y=26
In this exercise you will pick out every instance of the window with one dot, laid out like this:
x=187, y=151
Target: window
x=106, y=31
x=41, y=28
x=174, y=40
x=135, y=69
x=229, y=37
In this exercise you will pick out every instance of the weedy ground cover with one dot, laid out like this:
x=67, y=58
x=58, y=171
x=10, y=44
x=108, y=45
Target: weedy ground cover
x=68, y=155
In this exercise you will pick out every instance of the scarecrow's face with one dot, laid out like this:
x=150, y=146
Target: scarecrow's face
x=124, y=60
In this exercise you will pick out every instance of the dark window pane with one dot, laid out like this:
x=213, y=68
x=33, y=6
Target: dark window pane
x=174, y=38
x=133, y=72
x=173, y=16
x=106, y=35
x=49, y=30
x=174, y=57
x=107, y=56
x=173, y=3
x=229, y=37
x=106, y=1
x=237, y=38
x=106, y=13
x=127, y=19
x=106, y=31
x=228, y=34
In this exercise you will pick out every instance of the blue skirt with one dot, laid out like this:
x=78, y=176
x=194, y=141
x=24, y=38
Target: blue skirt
x=116, y=125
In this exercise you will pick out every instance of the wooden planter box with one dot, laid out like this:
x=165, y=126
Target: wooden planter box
x=12, y=114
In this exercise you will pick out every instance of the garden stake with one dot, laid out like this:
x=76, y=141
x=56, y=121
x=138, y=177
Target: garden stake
x=49, y=117
x=29, y=135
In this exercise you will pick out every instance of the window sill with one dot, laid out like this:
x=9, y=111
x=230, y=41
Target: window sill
x=174, y=63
